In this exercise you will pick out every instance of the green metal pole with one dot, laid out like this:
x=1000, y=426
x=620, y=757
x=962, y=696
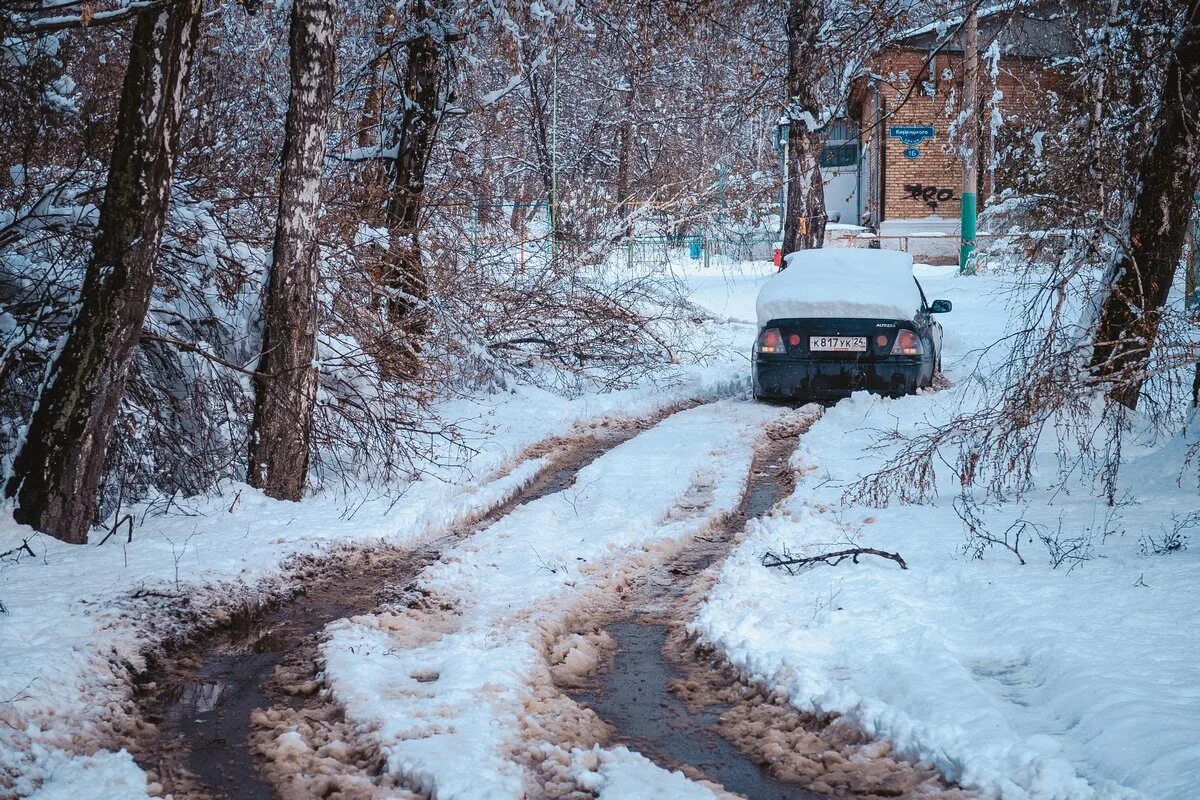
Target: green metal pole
x=966, y=251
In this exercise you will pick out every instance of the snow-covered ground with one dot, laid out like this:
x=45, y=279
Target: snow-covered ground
x=71, y=632
x=1022, y=681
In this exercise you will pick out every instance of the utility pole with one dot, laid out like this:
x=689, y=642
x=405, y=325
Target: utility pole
x=970, y=150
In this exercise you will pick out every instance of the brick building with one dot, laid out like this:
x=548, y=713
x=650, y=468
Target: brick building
x=906, y=175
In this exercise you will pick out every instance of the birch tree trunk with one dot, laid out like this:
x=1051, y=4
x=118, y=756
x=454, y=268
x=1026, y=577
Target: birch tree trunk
x=1162, y=208
x=804, y=225
x=59, y=467
x=286, y=379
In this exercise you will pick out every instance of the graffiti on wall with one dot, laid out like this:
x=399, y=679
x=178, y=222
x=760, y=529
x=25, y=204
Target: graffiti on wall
x=932, y=195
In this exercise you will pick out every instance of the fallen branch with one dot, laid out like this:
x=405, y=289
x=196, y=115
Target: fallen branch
x=125, y=520
x=140, y=593
x=23, y=547
x=86, y=18
x=794, y=565
x=19, y=695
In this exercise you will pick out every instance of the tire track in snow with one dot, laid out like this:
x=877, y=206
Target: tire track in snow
x=202, y=711
x=687, y=709
x=454, y=687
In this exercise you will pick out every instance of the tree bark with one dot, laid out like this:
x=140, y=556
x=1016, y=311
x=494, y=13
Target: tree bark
x=624, y=156
x=804, y=225
x=370, y=128
x=540, y=129
x=403, y=271
x=285, y=381
x=60, y=465
x=1162, y=208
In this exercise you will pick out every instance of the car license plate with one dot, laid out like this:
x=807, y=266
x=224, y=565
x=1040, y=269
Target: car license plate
x=837, y=344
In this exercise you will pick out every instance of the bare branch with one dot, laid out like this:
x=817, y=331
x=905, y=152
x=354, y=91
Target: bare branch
x=795, y=565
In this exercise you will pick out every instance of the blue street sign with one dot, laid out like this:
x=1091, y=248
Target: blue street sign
x=912, y=152
x=911, y=135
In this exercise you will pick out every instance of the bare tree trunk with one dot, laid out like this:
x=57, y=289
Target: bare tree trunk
x=540, y=129
x=370, y=130
x=286, y=379
x=60, y=465
x=804, y=226
x=624, y=155
x=403, y=271
x=1162, y=208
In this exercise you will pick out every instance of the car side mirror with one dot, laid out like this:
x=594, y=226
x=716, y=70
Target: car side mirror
x=940, y=307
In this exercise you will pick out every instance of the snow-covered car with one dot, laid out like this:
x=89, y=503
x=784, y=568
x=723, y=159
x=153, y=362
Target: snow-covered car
x=840, y=320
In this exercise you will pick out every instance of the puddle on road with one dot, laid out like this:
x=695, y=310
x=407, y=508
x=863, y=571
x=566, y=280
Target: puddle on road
x=633, y=693
x=762, y=494
x=683, y=707
x=206, y=705
x=634, y=698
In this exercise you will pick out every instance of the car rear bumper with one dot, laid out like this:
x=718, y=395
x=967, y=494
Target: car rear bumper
x=824, y=379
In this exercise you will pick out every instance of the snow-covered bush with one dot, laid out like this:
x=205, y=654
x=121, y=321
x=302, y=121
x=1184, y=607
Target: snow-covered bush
x=1059, y=233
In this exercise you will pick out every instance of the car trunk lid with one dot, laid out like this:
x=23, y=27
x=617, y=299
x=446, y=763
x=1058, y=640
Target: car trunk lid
x=838, y=339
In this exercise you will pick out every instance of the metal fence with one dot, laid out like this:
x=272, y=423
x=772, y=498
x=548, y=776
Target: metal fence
x=521, y=232
x=702, y=247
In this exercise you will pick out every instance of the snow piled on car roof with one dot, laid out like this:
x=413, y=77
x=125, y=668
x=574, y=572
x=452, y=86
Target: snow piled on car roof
x=841, y=282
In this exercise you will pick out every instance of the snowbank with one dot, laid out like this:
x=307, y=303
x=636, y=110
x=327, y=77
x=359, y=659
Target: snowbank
x=1024, y=682
x=841, y=282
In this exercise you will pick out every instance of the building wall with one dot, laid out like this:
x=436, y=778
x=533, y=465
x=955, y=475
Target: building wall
x=906, y=94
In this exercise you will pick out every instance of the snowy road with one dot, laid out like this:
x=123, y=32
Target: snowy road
x=1018, y=681
x=451, y=689
x=205, y=698
x=454, y=687
x=457, y=686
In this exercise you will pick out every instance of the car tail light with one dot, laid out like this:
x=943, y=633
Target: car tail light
x=881, y=340
x=794, y=340
x=907, y=344
x=769, y=341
